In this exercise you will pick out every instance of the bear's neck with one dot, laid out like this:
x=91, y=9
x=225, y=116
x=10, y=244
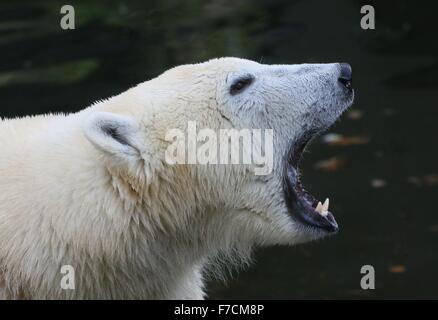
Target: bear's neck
x=166, y=246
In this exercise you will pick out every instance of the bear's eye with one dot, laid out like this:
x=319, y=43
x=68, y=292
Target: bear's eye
x=241, y=84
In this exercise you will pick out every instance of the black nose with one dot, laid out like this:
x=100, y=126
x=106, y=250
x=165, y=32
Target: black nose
x=346, y=76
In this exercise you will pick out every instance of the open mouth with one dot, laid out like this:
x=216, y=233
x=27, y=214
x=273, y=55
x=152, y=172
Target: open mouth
x=302, y=205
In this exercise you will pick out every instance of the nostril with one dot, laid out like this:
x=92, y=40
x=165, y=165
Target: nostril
x=346, y=75
x=347, y=83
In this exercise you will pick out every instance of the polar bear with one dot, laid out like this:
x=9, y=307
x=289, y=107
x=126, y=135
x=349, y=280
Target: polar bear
x=93, y=191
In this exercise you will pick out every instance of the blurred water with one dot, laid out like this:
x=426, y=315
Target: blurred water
x=381, y=174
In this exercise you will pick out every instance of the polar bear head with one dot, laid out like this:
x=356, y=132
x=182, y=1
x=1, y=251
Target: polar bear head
x=209, y=203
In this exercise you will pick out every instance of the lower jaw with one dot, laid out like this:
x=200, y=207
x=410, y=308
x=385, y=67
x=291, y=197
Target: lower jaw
x=303, y=207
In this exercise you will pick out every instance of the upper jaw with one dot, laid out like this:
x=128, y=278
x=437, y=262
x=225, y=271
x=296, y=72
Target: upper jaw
x=301, y=205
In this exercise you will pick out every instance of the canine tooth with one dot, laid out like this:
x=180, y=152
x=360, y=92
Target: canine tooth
x=325, y=206
x=319, y=207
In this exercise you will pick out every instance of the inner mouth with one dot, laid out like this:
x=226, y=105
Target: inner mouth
x=301, y=204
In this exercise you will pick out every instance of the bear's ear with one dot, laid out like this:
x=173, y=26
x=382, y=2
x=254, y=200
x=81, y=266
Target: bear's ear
x=114, y=134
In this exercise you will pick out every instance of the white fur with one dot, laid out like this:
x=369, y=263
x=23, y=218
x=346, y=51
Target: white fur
x=131, y=225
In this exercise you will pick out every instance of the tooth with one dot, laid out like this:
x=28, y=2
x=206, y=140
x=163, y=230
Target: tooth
x=319, y=207
x=325, y=206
